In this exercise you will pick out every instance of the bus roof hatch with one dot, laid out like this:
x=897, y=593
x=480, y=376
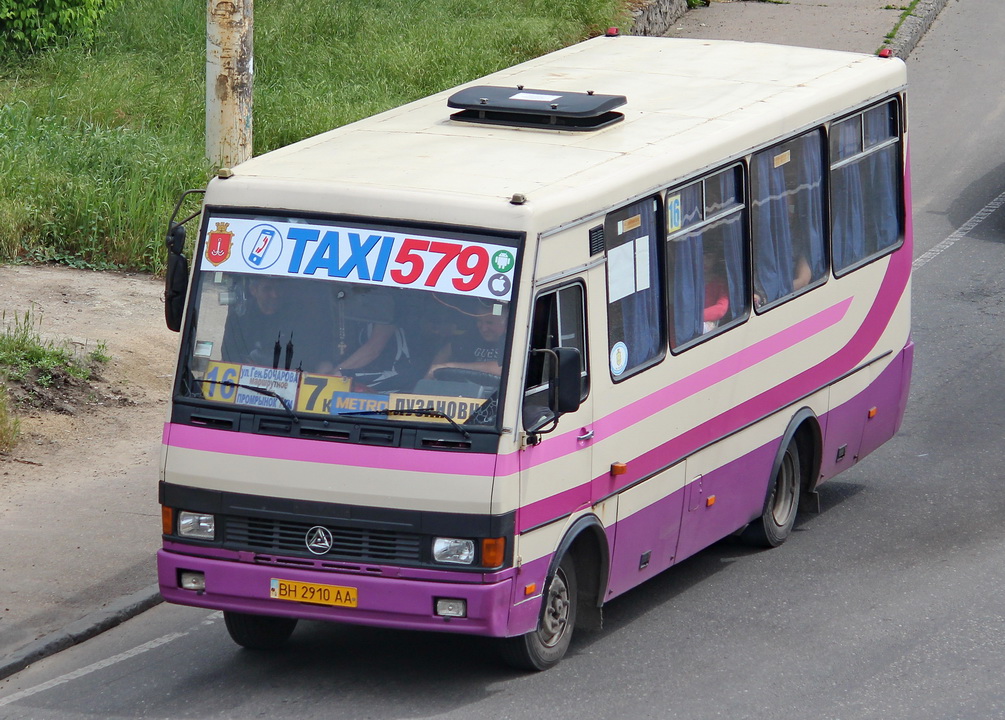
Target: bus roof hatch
x=548, y=109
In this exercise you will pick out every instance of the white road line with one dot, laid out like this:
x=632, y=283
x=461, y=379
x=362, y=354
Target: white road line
x=100, y=665
x=973, y=222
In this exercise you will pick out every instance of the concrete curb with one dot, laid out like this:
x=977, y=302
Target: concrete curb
x=115, y=613
x=915, y=26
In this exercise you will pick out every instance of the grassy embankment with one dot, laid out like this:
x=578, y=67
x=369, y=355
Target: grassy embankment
x=96, y=143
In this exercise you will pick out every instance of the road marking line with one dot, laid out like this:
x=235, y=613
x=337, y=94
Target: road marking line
x=973, y=222
x=100, y=665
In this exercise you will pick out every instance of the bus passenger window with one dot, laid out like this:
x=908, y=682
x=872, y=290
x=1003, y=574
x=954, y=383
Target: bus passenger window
x=558, y=321
x=865, y=185
x=634, y=287
x=787, y=217
x=706, y=256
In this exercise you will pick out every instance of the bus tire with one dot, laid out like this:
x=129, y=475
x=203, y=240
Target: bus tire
x=545, y=646
x=782, y=505
x=259, y=632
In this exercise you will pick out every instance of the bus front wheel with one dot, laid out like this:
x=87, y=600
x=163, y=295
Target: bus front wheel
x=779, y=515
x=259, y=632
x=544, y=647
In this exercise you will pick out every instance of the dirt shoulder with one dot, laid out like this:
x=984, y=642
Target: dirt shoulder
x=79, y=519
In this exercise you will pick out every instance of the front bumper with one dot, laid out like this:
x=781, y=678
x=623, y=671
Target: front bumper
x=384, y=600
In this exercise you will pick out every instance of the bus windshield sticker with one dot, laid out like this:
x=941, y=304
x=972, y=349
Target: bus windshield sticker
x=318, y=393
x=283, y=383
x=675, y=214
x=372, y=257
x=629, y=224
x=459, y=408
x=619, y=358
x=628, y=268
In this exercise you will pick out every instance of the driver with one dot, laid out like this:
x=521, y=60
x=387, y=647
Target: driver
x=481, y=351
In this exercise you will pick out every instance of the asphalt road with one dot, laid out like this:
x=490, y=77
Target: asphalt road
x=889, y=604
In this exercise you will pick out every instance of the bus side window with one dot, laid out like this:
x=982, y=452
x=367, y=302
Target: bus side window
x=787, y=217
x=559, y=321
x=635, y=308
x=865, y=185
x=706, y=256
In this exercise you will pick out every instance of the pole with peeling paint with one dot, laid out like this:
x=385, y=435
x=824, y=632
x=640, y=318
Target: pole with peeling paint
x=229, y=64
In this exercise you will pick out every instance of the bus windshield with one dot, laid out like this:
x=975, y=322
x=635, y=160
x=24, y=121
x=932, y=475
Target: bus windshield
x=320, y=320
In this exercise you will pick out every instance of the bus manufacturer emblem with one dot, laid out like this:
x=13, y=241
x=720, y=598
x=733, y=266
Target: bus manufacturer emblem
x=319, y=540
x=219, y=244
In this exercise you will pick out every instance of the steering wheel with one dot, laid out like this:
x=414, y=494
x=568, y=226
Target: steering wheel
x=454, y=374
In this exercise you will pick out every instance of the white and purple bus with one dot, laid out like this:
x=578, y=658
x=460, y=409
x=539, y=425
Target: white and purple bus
x=482, y=363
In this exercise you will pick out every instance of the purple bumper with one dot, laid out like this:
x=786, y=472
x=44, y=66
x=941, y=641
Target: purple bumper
x=386, y=599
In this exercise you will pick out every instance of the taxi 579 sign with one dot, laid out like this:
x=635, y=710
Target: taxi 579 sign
x=358, y=255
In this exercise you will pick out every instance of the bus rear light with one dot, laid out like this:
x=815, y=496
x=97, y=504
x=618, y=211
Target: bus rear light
x=493, y=551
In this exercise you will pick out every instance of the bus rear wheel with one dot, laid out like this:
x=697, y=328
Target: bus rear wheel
x=779, y=515
x=259, y=632
x=544, y=647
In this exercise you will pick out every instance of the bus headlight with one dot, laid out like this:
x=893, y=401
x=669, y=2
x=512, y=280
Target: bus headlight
x=200, y=526
x=454, y=551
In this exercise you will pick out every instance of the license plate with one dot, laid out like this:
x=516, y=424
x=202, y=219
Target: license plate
x=313, y=593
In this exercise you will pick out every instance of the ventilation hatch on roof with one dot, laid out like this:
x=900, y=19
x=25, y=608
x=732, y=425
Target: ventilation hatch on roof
x=548, y=109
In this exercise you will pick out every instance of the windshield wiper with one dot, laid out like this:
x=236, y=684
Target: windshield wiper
x=428, y=412
x=255, y=388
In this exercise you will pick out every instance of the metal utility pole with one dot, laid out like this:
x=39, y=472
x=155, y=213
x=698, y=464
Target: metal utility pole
x=229, y=64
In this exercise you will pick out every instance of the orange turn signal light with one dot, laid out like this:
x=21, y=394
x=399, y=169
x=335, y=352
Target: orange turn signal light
x=493, y=551
x=529, y=590
x=619, y=468
x=710, y=501
x=167, y=519
x=873, y=412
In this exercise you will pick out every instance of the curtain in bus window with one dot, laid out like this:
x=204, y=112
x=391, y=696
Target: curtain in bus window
x=688, y=287
x=847, y=200
x=809, y=205
x=881, y=186
x=732, y=247
x=770, y=225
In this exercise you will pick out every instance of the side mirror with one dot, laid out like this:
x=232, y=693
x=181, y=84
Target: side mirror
x=565, y=390
x=175, y=278
x=567, y=384
x=176, y=272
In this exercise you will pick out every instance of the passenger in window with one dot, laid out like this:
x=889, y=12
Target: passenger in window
x=716, y=293
x=371, y=344
x=269, y=327
x=481, y=351
x=802, y=274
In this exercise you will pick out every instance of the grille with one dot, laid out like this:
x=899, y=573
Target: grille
x=350, y=543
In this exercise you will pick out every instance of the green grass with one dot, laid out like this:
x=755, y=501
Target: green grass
x=22, y=350
x=96, y=143
x=33, y=362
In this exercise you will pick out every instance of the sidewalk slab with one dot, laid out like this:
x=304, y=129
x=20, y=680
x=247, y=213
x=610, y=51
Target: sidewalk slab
x=862, y=26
